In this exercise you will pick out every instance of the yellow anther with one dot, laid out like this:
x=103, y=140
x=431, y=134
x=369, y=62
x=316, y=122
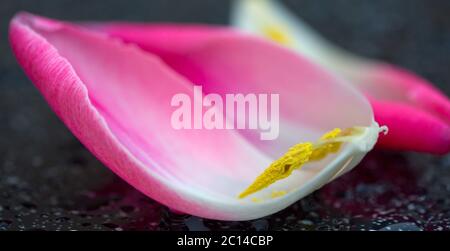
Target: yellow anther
x=322, y=150
x=298, y=155
x=281, y=168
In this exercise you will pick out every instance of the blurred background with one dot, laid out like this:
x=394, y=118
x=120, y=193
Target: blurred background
x=49, y=181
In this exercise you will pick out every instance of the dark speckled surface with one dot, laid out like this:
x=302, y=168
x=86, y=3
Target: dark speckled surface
x=48, y=181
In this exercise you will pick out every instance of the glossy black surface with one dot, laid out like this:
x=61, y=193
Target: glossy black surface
x=49, y=181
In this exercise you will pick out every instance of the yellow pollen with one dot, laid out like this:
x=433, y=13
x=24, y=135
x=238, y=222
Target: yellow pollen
x=276, y=193
x=276, y=34
x=297, y=156
x=281, y=168
x=322, y=150
x=256, y=200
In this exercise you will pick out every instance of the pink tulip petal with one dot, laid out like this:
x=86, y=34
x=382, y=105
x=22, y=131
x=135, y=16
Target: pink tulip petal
x=390, y=83
x=223, y=62
x=379, y=81
x=84, y=76
x=428, y=133
x=417, y=113
x=115, y=98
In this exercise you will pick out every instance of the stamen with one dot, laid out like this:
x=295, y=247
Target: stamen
x=281, y=168
x=322, y=149
x=300, y=154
